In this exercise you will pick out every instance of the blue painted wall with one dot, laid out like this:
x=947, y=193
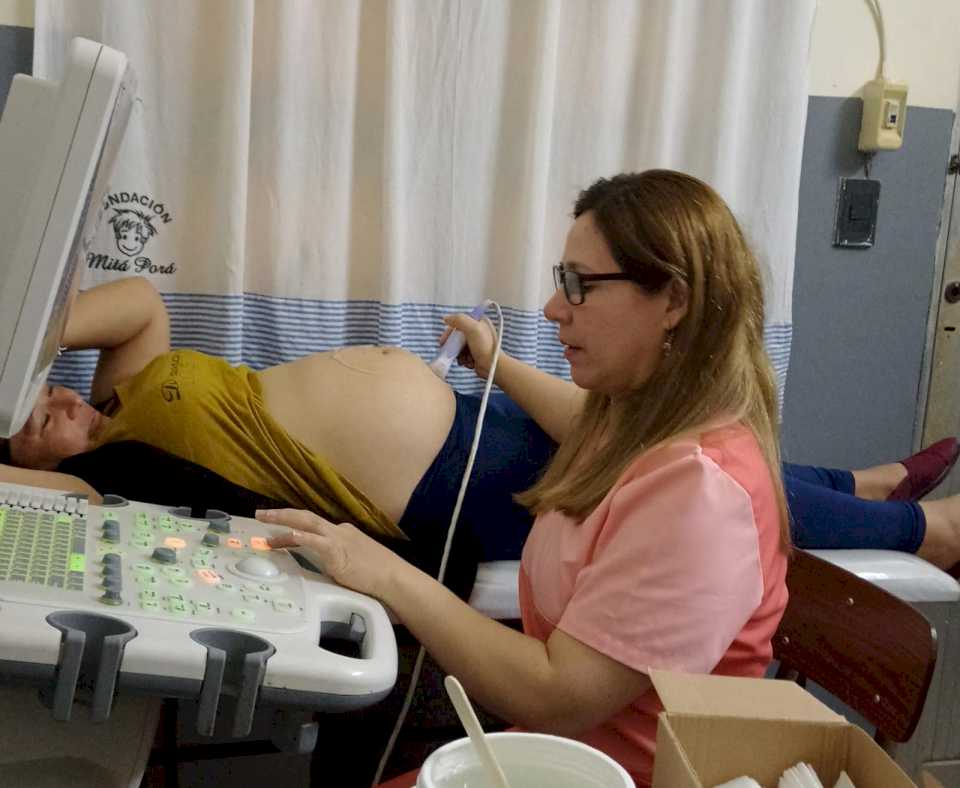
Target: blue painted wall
x=860, y=315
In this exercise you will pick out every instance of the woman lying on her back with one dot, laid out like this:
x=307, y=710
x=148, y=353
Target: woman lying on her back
x=371, y=436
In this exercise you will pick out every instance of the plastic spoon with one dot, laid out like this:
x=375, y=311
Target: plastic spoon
x=468, y=718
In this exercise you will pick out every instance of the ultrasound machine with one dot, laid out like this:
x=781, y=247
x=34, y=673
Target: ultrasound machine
x=106, y=609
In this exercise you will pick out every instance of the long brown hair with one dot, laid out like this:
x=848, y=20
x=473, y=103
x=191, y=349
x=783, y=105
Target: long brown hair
x=665, y=227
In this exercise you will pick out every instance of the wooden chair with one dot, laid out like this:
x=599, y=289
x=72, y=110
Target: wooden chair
x=865, y=646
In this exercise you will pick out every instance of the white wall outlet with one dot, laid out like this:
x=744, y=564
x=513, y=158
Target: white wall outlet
x=884, y=115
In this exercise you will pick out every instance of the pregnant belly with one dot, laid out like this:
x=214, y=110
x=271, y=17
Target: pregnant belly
x=379, y=415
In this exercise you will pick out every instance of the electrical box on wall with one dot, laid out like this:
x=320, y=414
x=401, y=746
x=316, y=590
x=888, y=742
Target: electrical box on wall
x=858, y=201
x=884, y=114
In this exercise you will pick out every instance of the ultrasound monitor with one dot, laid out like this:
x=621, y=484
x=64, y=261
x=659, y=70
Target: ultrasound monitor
x=58, y=141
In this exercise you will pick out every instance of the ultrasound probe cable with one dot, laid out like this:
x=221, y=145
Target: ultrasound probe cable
x=421, y=652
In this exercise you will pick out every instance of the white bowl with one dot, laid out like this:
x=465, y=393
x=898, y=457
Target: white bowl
x=529, y=760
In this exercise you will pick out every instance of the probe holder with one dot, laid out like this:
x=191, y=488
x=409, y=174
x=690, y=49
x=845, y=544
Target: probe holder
x=235, y=667
x=91, y=649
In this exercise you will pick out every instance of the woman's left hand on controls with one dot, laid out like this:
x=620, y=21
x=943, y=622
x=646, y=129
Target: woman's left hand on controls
x=344, y=552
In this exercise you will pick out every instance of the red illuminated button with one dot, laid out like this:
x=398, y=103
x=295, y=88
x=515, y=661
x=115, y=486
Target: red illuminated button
x=259, y=543
x=235, y=543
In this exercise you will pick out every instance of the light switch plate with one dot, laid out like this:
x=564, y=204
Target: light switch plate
x=855, y=223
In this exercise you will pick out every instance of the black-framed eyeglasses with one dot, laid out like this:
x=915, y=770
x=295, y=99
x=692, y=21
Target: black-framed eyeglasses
x=572, y=282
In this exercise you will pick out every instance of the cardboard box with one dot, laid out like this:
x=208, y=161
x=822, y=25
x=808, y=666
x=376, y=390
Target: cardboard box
x=715, y=728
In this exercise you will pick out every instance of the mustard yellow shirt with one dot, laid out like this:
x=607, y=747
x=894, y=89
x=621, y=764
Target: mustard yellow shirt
x=201, y=409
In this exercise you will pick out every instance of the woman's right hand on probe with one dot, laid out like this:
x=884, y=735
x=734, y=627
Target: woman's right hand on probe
x=481, y=341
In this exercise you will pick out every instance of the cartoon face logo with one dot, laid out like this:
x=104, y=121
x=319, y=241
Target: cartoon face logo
x=132, y=229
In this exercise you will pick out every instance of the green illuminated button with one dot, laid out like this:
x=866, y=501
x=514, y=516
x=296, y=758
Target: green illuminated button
x=254, y=598
x=148, y=594
x=203, y=608
x=150, y=605
x=142, y=519
x=63, y=519
x=284, y=606
x=78, y=562
x=245, y=615
x=143, y=568
x=167, y=523
x=200, y=561
x=176, y=598
x=144, y=542
x=178, y=607
x=146, y=580
x=185, y=526
x=183, y=582
x=230, y=588
x=173, y=571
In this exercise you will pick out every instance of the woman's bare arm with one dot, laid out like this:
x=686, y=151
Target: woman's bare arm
x=560, y=686
x=551, y=402
x=127, y=320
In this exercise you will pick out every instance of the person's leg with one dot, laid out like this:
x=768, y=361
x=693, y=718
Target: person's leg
x=872, y=484
x=827, y=519
x=822, y=518
x=941, y=543
x=906, y=480
x=879, y=481
x=831, y=478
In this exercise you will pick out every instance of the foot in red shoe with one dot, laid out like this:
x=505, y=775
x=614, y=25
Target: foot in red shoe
x=926, y=469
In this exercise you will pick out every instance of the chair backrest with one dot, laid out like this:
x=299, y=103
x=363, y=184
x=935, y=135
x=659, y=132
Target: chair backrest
x=865, y=646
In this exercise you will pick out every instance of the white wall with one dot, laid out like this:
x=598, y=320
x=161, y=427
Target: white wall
x=923, y=49
x=16, y=12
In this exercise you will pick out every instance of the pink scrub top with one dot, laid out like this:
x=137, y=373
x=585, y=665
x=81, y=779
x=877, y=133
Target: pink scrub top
x=679, y=568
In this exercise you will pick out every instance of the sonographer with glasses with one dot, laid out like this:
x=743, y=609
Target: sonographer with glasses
x=661, y=533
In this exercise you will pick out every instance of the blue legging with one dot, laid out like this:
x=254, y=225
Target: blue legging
x=826, y=514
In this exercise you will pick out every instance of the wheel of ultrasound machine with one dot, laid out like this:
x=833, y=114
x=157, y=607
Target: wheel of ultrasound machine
x=902, y=574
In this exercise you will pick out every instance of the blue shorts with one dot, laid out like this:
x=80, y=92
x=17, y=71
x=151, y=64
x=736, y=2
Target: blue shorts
x=512, y=454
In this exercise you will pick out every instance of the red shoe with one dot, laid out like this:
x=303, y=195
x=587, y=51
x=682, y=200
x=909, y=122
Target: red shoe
x=926, y=469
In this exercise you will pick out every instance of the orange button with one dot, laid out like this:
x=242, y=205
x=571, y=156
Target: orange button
x=174, y=542
x=259, y=543
x=235, y=543
x=208, y=576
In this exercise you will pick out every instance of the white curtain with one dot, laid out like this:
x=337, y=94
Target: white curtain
x=302, y=174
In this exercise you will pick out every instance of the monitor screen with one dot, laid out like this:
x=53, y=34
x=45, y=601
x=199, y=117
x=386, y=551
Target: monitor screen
x=57, y=146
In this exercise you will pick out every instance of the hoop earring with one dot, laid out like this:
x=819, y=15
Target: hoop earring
x=668, y=343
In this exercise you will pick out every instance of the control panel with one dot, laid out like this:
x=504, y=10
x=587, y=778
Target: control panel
x=157, y=563
x=97, y=599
